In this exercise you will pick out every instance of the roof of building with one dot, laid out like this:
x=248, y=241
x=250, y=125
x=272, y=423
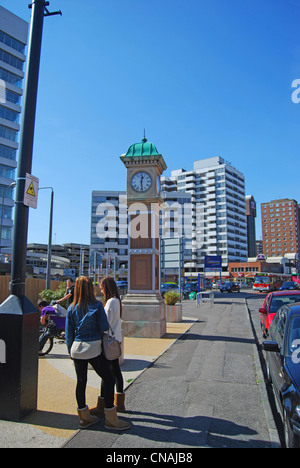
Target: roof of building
x=145, y=148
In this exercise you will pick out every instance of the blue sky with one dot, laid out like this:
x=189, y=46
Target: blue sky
x=203, y=77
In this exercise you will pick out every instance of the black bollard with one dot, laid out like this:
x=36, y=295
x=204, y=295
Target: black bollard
x=19, y=333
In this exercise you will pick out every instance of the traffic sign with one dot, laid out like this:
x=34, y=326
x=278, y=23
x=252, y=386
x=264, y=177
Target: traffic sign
x=31, y=191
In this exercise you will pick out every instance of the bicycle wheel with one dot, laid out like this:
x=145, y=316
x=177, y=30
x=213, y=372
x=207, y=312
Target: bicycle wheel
x=47, y=347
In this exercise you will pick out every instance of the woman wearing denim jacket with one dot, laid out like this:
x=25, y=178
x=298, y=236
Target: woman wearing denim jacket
x=85, y=322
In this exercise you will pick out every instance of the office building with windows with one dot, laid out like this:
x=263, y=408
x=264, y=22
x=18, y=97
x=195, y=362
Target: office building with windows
x=218, y=218
x=13, y=39
x=109, y=229
x=109, y=241
x=281, y=228
x=205, y=206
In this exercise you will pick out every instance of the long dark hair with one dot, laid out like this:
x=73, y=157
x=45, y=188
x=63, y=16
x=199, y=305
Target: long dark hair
x=83, y=293
x=110, y=290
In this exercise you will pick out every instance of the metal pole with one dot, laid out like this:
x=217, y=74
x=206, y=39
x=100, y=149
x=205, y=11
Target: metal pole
x=20, y=232
x=48, y=276
x=48, y=273
x=17, y=286
x=19, y=318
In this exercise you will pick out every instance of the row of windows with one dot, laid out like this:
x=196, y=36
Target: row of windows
x=277, y=204
x=242, y=269
x=9, y=114
x=7, y=172
x=12, y=97
x=5, y=191
x=6, y=233
x=7, y=212
x=11, y=60
x=10, y=77
x=12, y=42
x=8, y=133
x=8, y=153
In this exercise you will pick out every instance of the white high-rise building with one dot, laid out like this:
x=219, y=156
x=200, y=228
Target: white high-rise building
x=205, y=206
x=13, y=39
x=219, y=224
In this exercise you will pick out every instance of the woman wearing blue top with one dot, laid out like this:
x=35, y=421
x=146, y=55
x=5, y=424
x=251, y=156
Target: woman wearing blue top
x=85, y=322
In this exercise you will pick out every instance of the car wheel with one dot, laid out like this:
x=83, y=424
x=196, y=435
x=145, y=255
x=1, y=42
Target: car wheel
x=269, y=378
x=291, y=440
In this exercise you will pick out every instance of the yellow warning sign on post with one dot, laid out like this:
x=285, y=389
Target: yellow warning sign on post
x=31, y=191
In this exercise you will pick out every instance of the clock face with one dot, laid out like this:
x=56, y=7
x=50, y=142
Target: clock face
x=141, y=182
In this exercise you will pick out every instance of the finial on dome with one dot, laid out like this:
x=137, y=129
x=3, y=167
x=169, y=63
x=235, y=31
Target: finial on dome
x=144, y=139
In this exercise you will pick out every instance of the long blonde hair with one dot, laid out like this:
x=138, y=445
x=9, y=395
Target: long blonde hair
x=83, y=293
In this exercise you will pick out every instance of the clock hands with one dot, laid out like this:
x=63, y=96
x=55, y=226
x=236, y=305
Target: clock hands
x=141, y=182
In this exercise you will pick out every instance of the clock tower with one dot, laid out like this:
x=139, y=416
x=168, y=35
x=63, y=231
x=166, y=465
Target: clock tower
x=143, y=308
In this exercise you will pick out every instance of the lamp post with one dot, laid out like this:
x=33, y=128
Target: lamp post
x=48, y=273
x=19, y=318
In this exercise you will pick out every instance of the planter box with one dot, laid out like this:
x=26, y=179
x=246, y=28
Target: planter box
x=174, y=313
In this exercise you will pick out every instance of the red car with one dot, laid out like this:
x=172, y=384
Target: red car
x=272, y=303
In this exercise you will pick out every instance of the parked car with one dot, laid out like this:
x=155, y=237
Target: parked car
x=229, y=286
x=190, y=287
x=122, y=286
x=273, y=301
x=283, y=369
x=289, y=285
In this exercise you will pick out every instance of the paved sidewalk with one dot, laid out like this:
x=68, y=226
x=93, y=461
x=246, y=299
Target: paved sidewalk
x=202, y=389
x=56, y=419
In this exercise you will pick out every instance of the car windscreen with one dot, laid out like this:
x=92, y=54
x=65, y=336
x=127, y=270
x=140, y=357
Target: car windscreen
x=279, y=301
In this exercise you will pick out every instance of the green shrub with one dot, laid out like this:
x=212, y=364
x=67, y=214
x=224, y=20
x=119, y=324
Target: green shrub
x=171, y=298
x=48, y=295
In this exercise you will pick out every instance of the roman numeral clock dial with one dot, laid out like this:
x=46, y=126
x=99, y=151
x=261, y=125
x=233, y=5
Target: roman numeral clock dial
x=141, y=182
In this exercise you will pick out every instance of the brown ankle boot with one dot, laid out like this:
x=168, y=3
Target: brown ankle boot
x=99, y=409
x=112, y=421
x=85, y=418
x=120, y=402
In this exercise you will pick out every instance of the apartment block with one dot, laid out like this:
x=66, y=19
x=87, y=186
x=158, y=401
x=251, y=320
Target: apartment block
x=218, y=217
x=13, y=39
x=280, y=228
x=109, y=229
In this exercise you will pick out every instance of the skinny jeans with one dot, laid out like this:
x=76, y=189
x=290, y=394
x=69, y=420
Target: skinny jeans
x=115, y=368
x=101, y=366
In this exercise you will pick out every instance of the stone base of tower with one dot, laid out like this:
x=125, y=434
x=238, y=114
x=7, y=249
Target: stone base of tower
x=143, y=315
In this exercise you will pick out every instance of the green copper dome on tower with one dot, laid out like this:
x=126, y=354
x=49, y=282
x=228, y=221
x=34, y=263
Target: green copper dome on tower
x=145, y=148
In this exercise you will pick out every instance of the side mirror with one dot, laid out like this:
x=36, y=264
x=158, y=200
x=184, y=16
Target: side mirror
x=262, y=310
x=271, y=346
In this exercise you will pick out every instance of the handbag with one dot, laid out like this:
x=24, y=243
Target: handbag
x=86, y=349
x=111, y=347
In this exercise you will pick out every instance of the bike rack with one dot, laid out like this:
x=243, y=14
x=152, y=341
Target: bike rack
x=203, y=297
